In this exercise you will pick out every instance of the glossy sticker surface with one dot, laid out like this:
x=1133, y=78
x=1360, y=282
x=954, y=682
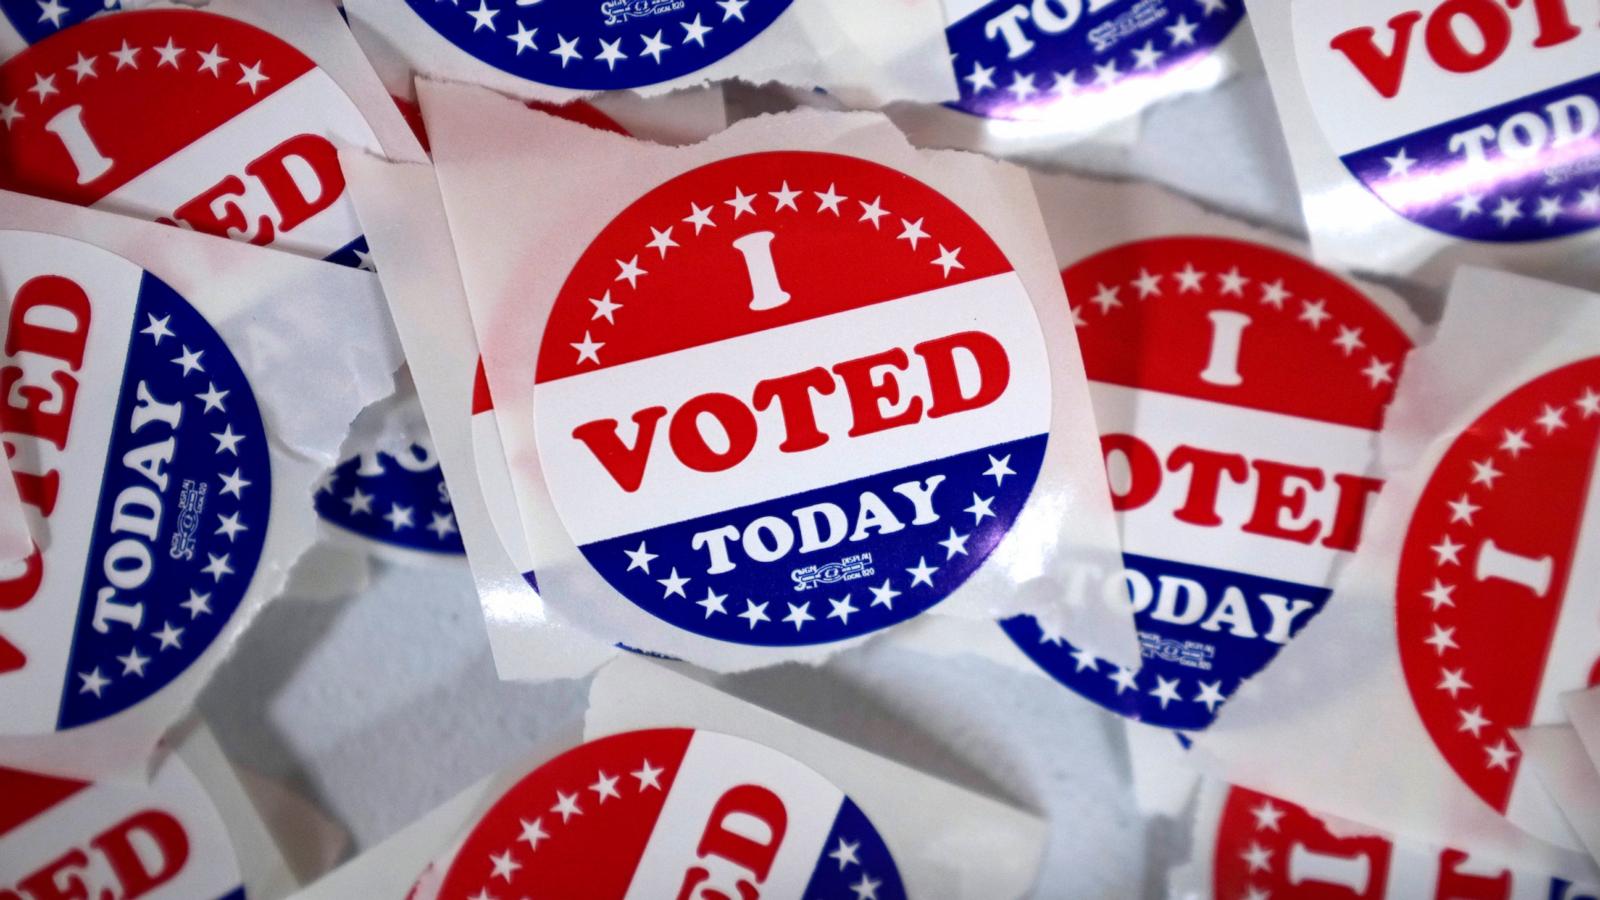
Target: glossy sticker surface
x=1474, y=118
x=140, y=454
x=674, y=812
x=1238, y=389
x=1031, y=60
x=1495, y=617
x=600, y=44
x=790, y=398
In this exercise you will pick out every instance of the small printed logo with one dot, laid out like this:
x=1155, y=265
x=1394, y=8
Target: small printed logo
x=191, y=506
x=851, y=568
x=1237, y=389
x=629, y=44
x=1041, y=60
x=681, y=812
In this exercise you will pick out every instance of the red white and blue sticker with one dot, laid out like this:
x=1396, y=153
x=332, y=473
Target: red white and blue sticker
x=599, y=45
x=162, y=841
x=35, y=20
x=1029, y=60
x=673, y=812
x=1496, y=615
x=1237, y=390
x=139, y=451
x=1478, y=119
x=1270, y=848
x=790, y=398
x=398, y=499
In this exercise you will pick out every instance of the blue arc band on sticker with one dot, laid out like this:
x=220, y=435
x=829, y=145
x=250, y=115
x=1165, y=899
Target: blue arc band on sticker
x=827, y=564
x=182, y=515
x=395, y=501
x=1202, y=632
x=599, y=44
x=1527, y=170
x=1023, y=60
x=855, y=862
x=36, y=20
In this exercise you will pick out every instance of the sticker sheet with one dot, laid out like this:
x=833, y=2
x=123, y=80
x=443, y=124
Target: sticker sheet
x=1557, y=757
x=189, y=832
x=1583, y=712
x=866, y=53
x=177, y=397
x=947, y=459
x=1255, y=846
x=1434, y=134
x=1466, y=613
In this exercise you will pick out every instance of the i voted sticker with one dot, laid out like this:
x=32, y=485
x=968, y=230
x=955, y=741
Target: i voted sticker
x=599, y=45
x=398, y=499
x=1475, y=118
x=163, y=841
x=1495, y=612
x=1237, y=390
x=674, y=812
x=35, y=20
x=139, y=450
x=1266, y=847
x=790, y=398
x=1031, y=60
x=187, y=117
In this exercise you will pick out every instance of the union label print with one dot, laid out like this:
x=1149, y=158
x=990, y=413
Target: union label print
x=1237, y=389
x=140, y=454
x=671, y=810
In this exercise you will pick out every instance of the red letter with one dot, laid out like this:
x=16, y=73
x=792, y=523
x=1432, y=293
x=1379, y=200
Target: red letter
x=1207, y=468
x=1494, y=25
x=751, y=802
x=1555, y=25
x=1354, y=491
x=1144, y=470
x=159, y=828
x=793, y=393
x=994, y=371
x=1457, y=885
x=201, y=214
x=42, y=885
x=1383, y=72
x=294, y=207
x=30, y=418
x=16, y=592
x=59, y=293
x=867, y=396
x=625, y=464
x=737, y=422
x=11, y=658
x=1276, y=496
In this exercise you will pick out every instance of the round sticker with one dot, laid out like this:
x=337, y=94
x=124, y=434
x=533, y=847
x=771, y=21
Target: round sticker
x=35, y=20
x=139, y=450
x=1237, y=389
x=188, y=117
x=790, y=398
x=673, y=812
x=1475, y=118
x=62, y=838
x=397, y=499
x=600, y=45
x=1490, y=634
x=1032, y=60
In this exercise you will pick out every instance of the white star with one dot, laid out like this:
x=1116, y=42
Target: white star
x=533, y=832
x=999, y=468
x=1065, y=83
x=700, y=218
x=212, y=398
x=648, y=776
x=443, y=525
x=1273, y=294
x=190, y=361
x=742, y=203
x=234, y=484
x=605, y=308
x=169, y=54
x=1210, y=694
x=1552, y=420
x=1106, y=74
x=1500, y=755
x=483, y=894
x=713, y=603
x=84, y=67
x=198, y=604
x=1454, y=682
x=483, y=16
x=133, y=663
x=733, y=9
x=1267, y=816
x=1399, y=164
x=1189, y=278
x=1021, y=86
x=842, y=608
x=913, y=232
x=227, y=440
x=231, y=526
x=948, y=260
x=1085, y=660
x=845, y=853
x=567, y=806
x=1485, y=473
x=1514, y=443
x=1165, y=691
x=1378, y=372
x=872, y=211
x=829, y=200
x=523, y=38
x=399, y=517
x=1077, y=316
x=672, y=584
x=51, y=11
x=1440, y=594
x=785, y=197
x=922, y=573
x=1472, y=720
x=1589, y=403
x=1251, y=892
x=170, y=637
x=1147, y=284
x=1314, y=312
x=981, y=78
x=654, y=46
x=1147, y=57
x=364, y=260
x=127, y=56
x=1233, y=283
x=1508, y=211
x=212, y=60
x=1468, y=205
x=955, y=543
x=1124, y=679
x=640, y=558
x=1257, y=857
x=568, y=50
x=588, y=349
x=980, y=508
x=44, y=86
x=217, y=566
x=611, y=53
x=1349, y=340
x=754, y=613
x=1549, y=209
x=1589, y=201
x=10, y=113
x=629, y=271
x=505, y=865
x=251, y=76
x=1213, y=6
x=799, y=615
x=157, y=329
x=1443, y=639
x=605, y=786
x=866, y=888
x=359, y=501
x=1447, y=552
x=93, y=682
x=884, y=596
x=1182, y=32
x=1105, y=298
x=694, y=31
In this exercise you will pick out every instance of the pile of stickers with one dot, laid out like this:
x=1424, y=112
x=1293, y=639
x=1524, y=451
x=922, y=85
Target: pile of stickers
x=502, y=285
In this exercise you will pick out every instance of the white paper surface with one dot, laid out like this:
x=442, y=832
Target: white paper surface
x=1567, y=773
